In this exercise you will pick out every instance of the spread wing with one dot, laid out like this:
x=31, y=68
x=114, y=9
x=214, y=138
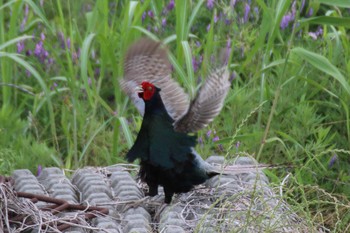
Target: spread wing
x=207, y=104
x=147, y=61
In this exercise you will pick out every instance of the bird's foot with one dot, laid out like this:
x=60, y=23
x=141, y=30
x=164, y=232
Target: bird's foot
x=153, y=191
x=167, y=199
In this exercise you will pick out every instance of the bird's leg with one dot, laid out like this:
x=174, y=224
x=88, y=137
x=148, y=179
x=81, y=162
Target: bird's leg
x=153, y=189
x=168, y=194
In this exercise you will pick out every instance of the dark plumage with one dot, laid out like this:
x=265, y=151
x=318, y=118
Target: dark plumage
x=163, y=145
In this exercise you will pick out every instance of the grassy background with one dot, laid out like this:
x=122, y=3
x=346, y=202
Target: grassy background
x=61, y=104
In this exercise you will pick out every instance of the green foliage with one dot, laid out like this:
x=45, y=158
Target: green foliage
x=288, y=103
x=18, y=149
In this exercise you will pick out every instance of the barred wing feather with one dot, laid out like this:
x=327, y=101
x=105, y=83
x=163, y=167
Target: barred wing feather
x=207, y=104
x=147, y=61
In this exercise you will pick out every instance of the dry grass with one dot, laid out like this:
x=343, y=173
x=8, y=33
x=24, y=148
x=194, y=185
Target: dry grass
x=243, y=202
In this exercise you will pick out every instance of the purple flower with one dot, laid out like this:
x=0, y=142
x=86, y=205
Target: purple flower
x=256, y=10
x=294, y=8
x=38, y=49
x=233, y=3
x=333, y=160
x=68, y=43
x=232, y=77
x=310, y=13
x=318, y=33
x=28, y=73
x=25, y=18
x=163, y=22
x=289, y=17
x=76, y=55
x=313, y=35
x=200, y=59
x=238, y=143
x=40, y=52
x=171, y=5
x=29, y=52
x=53, y=87
x=210, y=4
x=50, y=61
x=216, y=138
x=198, y=44
x=20, y=46
x=149, y=28
x=97, y=72
x=26, y=10
x=197, y=63
x=200, y=141
x=62, y=40
x=150, y=14
x=42, y=36
x=246, y=13
x=208, y=27
x=45, y=54
x=228, y=50
x=144, y=14
x=286, y=20
x=302, y=5
x=208, y=133
x=194, y=64
x=216, y=18
x=39, y=170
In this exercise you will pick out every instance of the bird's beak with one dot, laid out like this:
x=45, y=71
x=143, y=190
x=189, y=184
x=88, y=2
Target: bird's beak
x=139, y=91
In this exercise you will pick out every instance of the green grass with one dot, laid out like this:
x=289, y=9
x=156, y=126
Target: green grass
x=289, y=102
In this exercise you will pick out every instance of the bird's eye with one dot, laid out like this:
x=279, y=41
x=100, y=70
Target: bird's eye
x=149, y=88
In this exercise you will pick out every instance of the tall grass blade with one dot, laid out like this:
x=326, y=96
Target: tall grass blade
x=339, y=3
x=193, y=16
x=126, y=131
x=90, y=140
x=14, y=41
x=190, y=74
x=327, y=20
x=177, y=66
x=45, y=90
x=322, y=63
x=147, y=33
x=7, y=4
x=84, y=65
x=39, y=13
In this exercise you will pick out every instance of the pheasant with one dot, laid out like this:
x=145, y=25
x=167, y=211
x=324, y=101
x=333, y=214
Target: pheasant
x=164, y=144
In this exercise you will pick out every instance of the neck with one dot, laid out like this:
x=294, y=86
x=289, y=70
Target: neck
x=155, y=106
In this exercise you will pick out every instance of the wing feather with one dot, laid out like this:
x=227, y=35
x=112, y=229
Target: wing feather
x=146, y=60
x=207, y=104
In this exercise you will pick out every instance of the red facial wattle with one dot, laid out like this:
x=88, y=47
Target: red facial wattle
x=148, y=90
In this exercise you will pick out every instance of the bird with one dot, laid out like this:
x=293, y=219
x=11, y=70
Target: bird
x=166, y=140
